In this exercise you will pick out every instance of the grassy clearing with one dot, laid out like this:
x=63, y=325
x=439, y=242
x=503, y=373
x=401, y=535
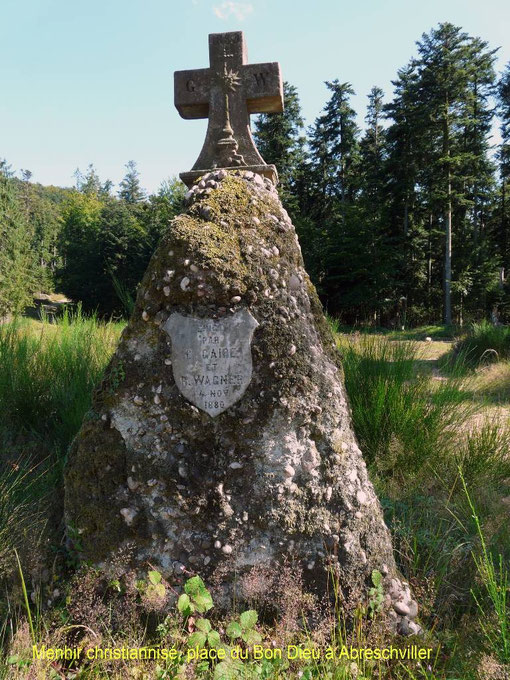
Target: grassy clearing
x=47, y=373
x=437, y=454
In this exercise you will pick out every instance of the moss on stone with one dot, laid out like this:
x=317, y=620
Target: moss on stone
x=170, y=464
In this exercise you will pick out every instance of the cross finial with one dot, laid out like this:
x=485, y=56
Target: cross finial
x=227, y=93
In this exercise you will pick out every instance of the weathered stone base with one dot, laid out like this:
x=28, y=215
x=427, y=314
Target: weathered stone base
x=269, y=171
x=276, y=476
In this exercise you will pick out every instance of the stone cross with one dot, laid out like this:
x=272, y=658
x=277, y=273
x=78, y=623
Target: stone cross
x=227, y=93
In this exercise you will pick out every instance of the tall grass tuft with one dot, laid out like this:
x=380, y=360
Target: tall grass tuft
x=485, y=343
x=122, y=292
x=22, y=486
x=495, y=583
x=48, y=372
x=485, y=454
x=400, y=421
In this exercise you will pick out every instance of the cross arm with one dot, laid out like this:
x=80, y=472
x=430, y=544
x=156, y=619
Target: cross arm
x=263, y=87
x=191, y=92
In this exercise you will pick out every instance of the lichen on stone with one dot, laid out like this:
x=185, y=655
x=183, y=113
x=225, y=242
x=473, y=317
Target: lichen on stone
x=278, y=475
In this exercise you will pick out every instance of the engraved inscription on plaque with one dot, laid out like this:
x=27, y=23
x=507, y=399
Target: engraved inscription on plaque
x=211, y=358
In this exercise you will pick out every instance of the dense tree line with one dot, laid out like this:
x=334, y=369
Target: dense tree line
x=86, y=242
x=405, y=222
x=408, y=221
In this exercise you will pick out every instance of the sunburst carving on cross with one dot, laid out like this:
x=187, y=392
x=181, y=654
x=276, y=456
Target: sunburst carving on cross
x=227, y=93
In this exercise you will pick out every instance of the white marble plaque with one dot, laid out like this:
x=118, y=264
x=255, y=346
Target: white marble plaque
x=211, y=358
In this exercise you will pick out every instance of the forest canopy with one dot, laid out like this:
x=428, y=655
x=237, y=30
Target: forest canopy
x=402, y=223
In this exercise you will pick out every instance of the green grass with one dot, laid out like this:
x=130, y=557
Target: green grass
x=401, y=422
x=483, y=344
x=47, y=374
x=494, y=580
x=48, y=371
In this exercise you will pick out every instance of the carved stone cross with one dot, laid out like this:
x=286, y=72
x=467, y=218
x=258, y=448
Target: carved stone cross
x=227, y=93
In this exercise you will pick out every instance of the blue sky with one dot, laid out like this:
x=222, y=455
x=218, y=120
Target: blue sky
x=91, y=82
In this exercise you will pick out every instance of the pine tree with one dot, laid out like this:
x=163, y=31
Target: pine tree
x=16, y=255
x=130, y=189
x=476, y=258
x=443, y=80
x=408, y=226
x=88, y=183
x=372, y=149
x=441, y=174
x=280, y=140
x=334, y=182
x=43, y=216
x=503, y=230
x=334, y=146
x=161, y=208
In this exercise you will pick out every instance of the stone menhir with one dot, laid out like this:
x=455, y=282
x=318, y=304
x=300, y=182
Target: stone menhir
x=220, y=439
x=227, y=93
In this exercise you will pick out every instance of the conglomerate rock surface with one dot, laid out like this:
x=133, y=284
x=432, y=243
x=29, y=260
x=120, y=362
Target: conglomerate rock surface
x=276, y=476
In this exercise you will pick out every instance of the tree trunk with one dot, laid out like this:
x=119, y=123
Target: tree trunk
x=504, y=239
x=429, y=261
x=448, y=259
x=448, y=223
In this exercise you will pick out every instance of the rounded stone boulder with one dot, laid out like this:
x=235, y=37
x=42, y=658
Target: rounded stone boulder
x=220, y=438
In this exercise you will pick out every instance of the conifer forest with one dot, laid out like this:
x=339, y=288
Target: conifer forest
x=402, y=223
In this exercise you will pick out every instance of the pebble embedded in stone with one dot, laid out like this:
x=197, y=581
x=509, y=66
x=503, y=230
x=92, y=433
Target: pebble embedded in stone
x=401, y=608
x=361, y=497
x=289, y=471
x=129, y=514
x=414, y=628
x=185, y=283
x=413, y=609
x=353, y=474
x=132, y=484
